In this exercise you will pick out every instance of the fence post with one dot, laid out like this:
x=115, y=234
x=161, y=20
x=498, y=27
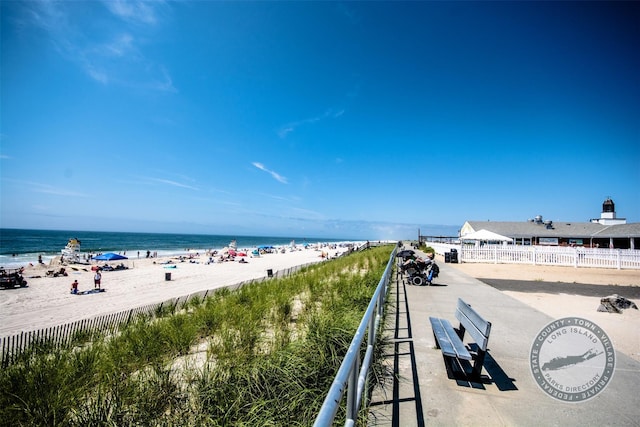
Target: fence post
x=618, y=261
x=352, y=390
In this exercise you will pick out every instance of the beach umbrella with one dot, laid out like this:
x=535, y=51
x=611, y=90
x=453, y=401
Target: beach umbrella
x=109, y=256
x=241, y=254
x=407, y=253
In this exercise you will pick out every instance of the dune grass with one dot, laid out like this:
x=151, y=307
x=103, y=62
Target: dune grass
x=264, y=354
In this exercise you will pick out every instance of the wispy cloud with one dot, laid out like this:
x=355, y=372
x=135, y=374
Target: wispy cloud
x=292, y=126
x=121, y=45
x=163, y=82
x=309, y=214
x=50, y=189
x=141, y=11
x=47, y=15
x=113, y=57
x=272, y=196
x=348, y=12
x=290, y=199
x=285, y=130
x=275, y=175
x=173, y=183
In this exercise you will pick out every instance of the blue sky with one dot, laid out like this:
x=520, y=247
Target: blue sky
x=324, y=119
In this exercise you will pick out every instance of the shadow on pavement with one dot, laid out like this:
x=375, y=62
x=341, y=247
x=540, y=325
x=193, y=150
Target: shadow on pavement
x=583, y=289
x=459, y=370
x=403, y=353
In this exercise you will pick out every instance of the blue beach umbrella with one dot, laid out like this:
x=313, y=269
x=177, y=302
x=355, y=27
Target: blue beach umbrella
x=109, y=256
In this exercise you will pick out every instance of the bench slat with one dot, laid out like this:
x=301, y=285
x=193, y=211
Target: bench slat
x=483, y=326
x=478, y=328
x=443, y=339
x=448, y=340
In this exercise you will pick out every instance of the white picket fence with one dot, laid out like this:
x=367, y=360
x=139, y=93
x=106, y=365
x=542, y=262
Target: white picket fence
x=544, y=255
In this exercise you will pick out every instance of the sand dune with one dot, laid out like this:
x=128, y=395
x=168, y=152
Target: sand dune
x=47, y=302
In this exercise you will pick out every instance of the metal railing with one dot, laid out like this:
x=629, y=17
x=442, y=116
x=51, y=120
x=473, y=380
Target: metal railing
x=353, y=372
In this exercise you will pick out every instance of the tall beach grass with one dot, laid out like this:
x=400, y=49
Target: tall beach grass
x=264, y=354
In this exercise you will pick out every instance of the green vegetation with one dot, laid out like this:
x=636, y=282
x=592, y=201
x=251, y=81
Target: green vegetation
x=426, y=249
x=265, y=354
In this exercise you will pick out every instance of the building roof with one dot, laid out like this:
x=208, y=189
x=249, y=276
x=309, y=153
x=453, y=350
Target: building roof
x=555, y=229
x=620, y=230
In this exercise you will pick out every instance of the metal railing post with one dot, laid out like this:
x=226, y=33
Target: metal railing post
x=352, y=373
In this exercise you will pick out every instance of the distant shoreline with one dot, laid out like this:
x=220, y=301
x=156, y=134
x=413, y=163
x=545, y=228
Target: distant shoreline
x=22, y=247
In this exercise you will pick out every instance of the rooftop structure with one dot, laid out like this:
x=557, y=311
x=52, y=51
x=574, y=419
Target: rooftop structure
x=608, y=215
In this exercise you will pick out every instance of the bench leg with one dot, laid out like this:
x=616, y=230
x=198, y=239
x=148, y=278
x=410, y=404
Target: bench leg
x=461, y=330
x=478, y=364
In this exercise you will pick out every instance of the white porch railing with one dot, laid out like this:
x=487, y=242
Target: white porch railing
x=544, y=255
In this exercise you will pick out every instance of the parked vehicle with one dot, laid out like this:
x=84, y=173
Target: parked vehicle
x=11, y=278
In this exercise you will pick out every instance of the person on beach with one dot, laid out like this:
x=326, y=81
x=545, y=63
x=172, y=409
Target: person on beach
x=74, y=287
x=96, y=279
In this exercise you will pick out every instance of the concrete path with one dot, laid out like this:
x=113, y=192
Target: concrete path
x=424, y=393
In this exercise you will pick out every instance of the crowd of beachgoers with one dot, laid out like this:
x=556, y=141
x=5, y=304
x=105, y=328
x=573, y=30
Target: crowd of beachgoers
x=47, y=300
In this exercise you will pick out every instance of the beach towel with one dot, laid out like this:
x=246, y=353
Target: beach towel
x=90, y=291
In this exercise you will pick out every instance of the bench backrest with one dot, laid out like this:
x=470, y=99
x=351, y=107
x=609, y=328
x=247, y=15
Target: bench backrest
x=478, y=328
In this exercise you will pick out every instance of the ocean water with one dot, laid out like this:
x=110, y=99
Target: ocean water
x=21, y=247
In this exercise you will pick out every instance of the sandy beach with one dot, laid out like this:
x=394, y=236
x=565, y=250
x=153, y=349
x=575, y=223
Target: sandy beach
x=47, y=301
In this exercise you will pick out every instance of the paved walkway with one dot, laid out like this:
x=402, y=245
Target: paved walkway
x=425, y=394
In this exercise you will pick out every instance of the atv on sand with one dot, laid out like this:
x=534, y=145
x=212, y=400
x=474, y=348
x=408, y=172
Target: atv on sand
x=11, y=278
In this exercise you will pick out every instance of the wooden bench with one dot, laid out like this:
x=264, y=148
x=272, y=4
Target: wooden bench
x=451, y=342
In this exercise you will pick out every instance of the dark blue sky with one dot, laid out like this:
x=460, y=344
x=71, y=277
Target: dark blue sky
x=353, y=119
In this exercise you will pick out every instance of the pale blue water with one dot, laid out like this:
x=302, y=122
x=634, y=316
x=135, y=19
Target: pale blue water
x=21, y=247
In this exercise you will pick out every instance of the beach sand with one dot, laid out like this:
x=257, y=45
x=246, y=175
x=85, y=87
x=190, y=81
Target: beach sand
x=47, y=302
x=622, y=328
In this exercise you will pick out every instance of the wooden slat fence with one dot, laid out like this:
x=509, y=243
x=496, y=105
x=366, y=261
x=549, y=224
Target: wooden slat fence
x=61, y=336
